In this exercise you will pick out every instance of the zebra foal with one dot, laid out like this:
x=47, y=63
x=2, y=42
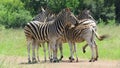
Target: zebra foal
x=85, y=31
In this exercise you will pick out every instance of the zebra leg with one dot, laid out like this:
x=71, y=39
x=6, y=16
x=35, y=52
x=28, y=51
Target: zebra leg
x=71, y=51
x=44, y=51
x=92, y=46
x=38, y=53
x=48, y=46
x=28, y=49
x=96, y=51
x=84, y=47
x=54, y=47
x=61, y=51
x=49, y=51
x=75, y=52
x=33, y=52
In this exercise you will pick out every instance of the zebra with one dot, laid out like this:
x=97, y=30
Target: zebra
x=86, y=14
x=71, y=34
x=41, y=17
x=81, y=33
x=44, y=32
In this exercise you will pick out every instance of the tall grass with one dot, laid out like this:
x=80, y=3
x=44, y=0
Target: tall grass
x=13, y=43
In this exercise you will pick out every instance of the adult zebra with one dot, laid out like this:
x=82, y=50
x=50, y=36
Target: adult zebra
x=86, y=31
x=43, y=17
x=86, y=14
x=48, y=32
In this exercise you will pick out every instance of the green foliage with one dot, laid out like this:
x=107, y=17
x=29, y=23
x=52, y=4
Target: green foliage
x=57, y=5
x=101, y=9
x=13, y=14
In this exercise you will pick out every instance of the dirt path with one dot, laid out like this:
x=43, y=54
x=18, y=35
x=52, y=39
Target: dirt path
x=21, y=62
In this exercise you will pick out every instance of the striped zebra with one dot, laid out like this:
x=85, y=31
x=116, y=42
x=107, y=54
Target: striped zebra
x=86, y=14
x=43, y=17
x=37, y=32
x=78, y=34
x=86, y=31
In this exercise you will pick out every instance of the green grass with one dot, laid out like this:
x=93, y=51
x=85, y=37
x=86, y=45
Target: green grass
x=13, y=43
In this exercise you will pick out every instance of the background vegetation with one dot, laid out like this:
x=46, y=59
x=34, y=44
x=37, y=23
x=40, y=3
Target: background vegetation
x=15, y=13
x=13, y=43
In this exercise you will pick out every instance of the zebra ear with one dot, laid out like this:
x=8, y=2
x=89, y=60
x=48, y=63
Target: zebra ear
x=67, y=9
x=42, y=9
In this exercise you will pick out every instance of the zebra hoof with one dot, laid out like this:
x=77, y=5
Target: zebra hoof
x=45, y=60
x=96, y=58
x=55, y=61
x=70, y=58
x=92, y=60
x=61, y=58
x=51, y=60
x=34, y=60
x=29, y=61
x=77, y=60
x=84, y=51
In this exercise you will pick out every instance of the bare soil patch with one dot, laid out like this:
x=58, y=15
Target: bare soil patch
x=21, y=62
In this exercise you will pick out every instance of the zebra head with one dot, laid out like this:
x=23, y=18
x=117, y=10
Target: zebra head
x=69, y=18
x=85, y=14
x=42, y=15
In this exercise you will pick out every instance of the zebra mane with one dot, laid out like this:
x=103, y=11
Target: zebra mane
x=42, y=15
x=85, y=14
x=60, y=15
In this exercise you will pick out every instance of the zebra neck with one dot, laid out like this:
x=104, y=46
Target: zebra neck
x=59, y=27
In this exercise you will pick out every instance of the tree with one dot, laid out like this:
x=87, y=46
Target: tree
x=117, y=11
x=34, y=6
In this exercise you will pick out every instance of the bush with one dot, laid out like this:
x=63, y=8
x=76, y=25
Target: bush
x=13, y=14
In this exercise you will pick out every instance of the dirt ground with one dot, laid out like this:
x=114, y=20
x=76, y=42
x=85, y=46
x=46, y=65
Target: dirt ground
x=21, y=62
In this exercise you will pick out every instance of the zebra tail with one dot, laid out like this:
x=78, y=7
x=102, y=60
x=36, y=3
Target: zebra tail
x=100, y=37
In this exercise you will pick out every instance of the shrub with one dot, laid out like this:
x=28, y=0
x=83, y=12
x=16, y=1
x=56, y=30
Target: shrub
x=13, y=14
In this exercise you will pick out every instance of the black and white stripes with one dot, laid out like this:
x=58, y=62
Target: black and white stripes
x=65, y=27
x=44, y=32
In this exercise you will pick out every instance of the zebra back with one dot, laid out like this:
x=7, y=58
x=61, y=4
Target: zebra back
x=45, y=31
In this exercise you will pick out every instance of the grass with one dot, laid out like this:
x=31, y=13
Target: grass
x=13, y=43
